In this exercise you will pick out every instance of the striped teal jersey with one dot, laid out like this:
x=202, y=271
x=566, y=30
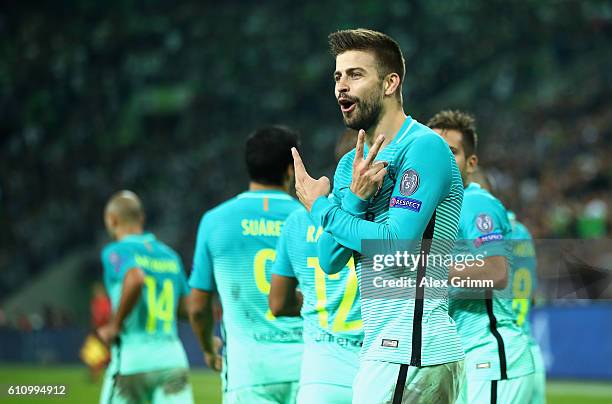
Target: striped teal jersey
x=148, y=340
x=523, y=275
x=235, y=250
x=419, y=199
x=331, y=308
x=496, y=347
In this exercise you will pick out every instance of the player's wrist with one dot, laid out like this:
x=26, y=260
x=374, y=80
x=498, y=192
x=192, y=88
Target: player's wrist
x=354, y=204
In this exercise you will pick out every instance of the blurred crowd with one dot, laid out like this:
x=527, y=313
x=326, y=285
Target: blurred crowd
x=559, y=180
x=159, y=99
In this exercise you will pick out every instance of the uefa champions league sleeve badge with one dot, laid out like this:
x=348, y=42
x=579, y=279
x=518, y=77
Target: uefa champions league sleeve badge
x=409, y=182
x=484, y=223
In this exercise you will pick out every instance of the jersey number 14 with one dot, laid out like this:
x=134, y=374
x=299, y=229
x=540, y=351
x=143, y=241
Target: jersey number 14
x=160, y=306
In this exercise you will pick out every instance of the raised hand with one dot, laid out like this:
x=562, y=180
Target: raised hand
x=307, y=188
x=368, y=175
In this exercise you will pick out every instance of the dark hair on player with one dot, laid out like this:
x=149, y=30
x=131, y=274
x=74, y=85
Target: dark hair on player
x=268, y=154
x=386, y=49
x=463, y=123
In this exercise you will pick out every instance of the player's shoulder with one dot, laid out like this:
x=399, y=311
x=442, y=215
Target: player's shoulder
x=477, y=200
x=114, y=247
x=474, y=193
x=165, y=249
x=116, y=253
x=520, y=231
x=219, y=213
x=298, y=217
x=421, y=136
x=221, y=209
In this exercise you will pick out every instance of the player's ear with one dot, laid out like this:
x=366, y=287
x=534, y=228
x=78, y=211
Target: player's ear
x=391, y=83
x=290, y=172
x=472, y=163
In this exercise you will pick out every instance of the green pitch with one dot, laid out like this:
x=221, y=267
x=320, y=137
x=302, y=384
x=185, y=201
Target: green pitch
x=206, y=386
x=81, y=390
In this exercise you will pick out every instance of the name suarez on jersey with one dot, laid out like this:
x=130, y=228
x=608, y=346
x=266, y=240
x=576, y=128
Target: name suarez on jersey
x=261, y=227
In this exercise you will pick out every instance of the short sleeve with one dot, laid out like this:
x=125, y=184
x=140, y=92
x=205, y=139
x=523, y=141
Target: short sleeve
x=484, y=226
x=182, y=279
x=202, y=272
x=282, y=264
x=117, y=262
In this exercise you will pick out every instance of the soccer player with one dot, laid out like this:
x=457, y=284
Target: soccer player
x=146, y=283
x=498, y=363
x=523, y=283
x=331, y=309
x=408, y=187
x=235, y=249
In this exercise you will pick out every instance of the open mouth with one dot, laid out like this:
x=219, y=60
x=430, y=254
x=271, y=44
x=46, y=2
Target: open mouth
x=346, y=105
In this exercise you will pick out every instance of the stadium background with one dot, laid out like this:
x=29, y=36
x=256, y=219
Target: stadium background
x=159, y=97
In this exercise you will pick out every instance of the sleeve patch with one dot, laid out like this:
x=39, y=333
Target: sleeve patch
x=405, y=203
x=484, y=223
x=116, y=261
x=409, y=182
x=486, y=238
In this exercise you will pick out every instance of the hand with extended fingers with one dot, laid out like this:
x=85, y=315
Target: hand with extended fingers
x=307, y=188
x=368, y=175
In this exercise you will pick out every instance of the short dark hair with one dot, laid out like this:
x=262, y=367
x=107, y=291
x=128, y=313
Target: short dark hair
x=463, y=123
x=386, y=49
x=268, y=154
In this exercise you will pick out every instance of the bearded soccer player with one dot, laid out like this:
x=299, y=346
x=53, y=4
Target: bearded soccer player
x=331, y=309
x=407, y=187
x=145, y=281
x=235, y=249
x=499, y=365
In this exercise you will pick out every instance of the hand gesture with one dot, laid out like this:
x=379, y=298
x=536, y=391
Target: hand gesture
x=307, y=188
x=368, y=175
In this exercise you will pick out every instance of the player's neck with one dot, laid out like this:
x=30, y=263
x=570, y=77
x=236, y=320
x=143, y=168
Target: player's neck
x=125, y=231
x=388, y=125
x=256, y=186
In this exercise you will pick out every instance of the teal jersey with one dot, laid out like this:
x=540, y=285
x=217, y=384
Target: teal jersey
x=420, y=199
x=523, y=275
x=496, y=347
x=148, y=340
x=235, y=250
x=331, y=308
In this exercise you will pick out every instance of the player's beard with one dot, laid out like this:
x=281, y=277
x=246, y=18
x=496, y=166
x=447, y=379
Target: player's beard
x=367, y=113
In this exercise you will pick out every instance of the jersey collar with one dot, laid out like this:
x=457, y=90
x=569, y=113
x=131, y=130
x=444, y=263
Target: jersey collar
x=142, y=238
x=472, y=186
x=401, y=133
x=265, y=193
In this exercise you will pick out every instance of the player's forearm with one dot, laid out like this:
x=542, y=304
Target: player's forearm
x=203, y=324
x=349, y=230
x=133, y=284
x=182, y=312
x=289, y=307
x=284, y=299
x=333, y=256
x=489, y=269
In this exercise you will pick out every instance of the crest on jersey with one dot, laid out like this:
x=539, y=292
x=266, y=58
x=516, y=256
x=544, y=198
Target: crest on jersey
x=484, y=223
x=409, y=182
